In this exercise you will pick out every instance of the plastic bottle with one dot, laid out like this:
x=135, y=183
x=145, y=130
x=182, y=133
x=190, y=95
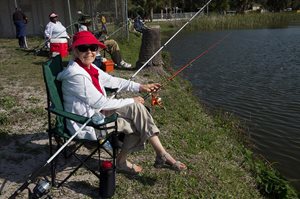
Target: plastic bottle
x=107, y=179
x=98, y=118
x=106, y=145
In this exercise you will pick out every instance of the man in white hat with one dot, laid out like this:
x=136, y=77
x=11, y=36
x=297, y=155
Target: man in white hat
x=54, y=29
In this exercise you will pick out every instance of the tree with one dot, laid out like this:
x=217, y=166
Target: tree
x=295, y=4
x=243, y=5
x=277, y=5
x=150, y=5
x=220, y=5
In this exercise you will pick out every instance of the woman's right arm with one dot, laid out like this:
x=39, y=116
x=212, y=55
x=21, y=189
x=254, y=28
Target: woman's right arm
x=82, y=87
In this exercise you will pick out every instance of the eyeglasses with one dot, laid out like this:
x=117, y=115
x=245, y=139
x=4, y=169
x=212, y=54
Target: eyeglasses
x=85, y=48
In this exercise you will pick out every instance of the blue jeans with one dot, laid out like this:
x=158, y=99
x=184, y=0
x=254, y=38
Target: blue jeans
x=98, y=61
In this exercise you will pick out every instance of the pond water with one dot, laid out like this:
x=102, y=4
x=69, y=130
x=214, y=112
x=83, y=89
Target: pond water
x=254, y=74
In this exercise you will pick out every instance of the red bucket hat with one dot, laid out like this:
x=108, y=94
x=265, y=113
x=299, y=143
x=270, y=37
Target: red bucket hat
x=85, y=38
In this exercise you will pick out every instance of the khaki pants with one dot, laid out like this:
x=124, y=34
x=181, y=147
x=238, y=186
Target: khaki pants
x=137, y=124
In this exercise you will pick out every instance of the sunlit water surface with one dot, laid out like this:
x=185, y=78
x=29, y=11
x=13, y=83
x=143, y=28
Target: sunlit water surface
x=254, y=74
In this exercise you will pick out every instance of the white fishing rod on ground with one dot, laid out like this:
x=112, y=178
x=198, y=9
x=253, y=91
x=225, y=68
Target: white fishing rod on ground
x=97, y=119
x=35, y=174
x=165, y=44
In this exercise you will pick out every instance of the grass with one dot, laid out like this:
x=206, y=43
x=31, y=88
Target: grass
x=239, y=21
x=7, y=102
x=210, y=143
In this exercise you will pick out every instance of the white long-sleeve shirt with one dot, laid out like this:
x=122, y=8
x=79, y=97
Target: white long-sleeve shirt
x=82, y=97
x=55, y=30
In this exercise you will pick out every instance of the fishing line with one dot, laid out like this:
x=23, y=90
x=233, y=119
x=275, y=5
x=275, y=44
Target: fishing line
x=163, y=46
x=199, y=56
x=189, y=63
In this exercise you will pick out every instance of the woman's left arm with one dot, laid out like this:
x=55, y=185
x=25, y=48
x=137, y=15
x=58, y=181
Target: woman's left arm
x=115, y=82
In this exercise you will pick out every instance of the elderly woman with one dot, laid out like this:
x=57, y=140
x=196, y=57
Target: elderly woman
x=83, y=87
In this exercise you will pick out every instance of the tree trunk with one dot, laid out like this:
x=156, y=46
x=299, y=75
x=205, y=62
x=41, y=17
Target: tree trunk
x=150, y=45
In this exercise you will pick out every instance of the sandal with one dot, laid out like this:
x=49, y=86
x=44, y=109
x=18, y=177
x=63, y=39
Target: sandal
x=163, y=161
x=132, y=170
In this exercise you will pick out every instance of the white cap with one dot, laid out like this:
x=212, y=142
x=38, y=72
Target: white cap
x=52, y=15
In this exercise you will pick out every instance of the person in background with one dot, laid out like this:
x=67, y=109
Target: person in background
x=54, y=29
x=84, y=21
x=113, y=49
x=83, y=88
x=103, y=23
x=20, y=20
x=139, y=25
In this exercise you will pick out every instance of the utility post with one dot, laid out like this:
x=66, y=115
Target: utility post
x=70, y=17
x=207, y=9
x=126, y=19
x=116, y=10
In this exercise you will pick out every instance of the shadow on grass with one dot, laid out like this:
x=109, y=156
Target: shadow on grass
x=143, y=179
x=42, y=52
x=23, y=155
x=93, y=192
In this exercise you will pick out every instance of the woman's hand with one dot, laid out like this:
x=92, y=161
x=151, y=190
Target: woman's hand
x=139, y=99
x=149, y=87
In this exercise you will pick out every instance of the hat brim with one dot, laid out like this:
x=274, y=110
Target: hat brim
x=53, y=15
x=90, y=42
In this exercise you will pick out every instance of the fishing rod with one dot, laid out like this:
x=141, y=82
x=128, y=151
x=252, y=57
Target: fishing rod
x=163, y=46
x=155, y=99
x=117, y=30
x=109, y=35
x=128, y=22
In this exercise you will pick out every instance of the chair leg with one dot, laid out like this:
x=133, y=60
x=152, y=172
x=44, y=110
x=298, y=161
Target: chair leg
x=82, y=162
x=115, y=144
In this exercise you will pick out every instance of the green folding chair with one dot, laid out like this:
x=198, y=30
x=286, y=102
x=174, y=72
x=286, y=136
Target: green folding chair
x=58, y=132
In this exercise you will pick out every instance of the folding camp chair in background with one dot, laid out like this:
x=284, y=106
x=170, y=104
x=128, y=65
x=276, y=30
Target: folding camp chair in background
x=60, y=134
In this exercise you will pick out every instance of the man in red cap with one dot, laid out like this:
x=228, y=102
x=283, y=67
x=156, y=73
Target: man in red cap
x=83, y=88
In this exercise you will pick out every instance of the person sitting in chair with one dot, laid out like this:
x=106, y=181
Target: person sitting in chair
x=83, y=88
x=139, y=25
x=113, y=49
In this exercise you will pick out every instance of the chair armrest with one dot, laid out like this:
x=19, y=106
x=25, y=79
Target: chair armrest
x=82, y=119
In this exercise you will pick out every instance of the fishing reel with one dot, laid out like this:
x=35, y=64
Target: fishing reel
x=156, y=100
x=41, y=190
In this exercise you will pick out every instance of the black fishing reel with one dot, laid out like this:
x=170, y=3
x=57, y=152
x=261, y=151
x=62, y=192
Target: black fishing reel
x=41, y=190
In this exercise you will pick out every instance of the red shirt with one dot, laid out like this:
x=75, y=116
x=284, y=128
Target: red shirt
x=93, y=72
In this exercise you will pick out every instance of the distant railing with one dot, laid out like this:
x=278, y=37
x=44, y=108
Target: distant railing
x=172, y=16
